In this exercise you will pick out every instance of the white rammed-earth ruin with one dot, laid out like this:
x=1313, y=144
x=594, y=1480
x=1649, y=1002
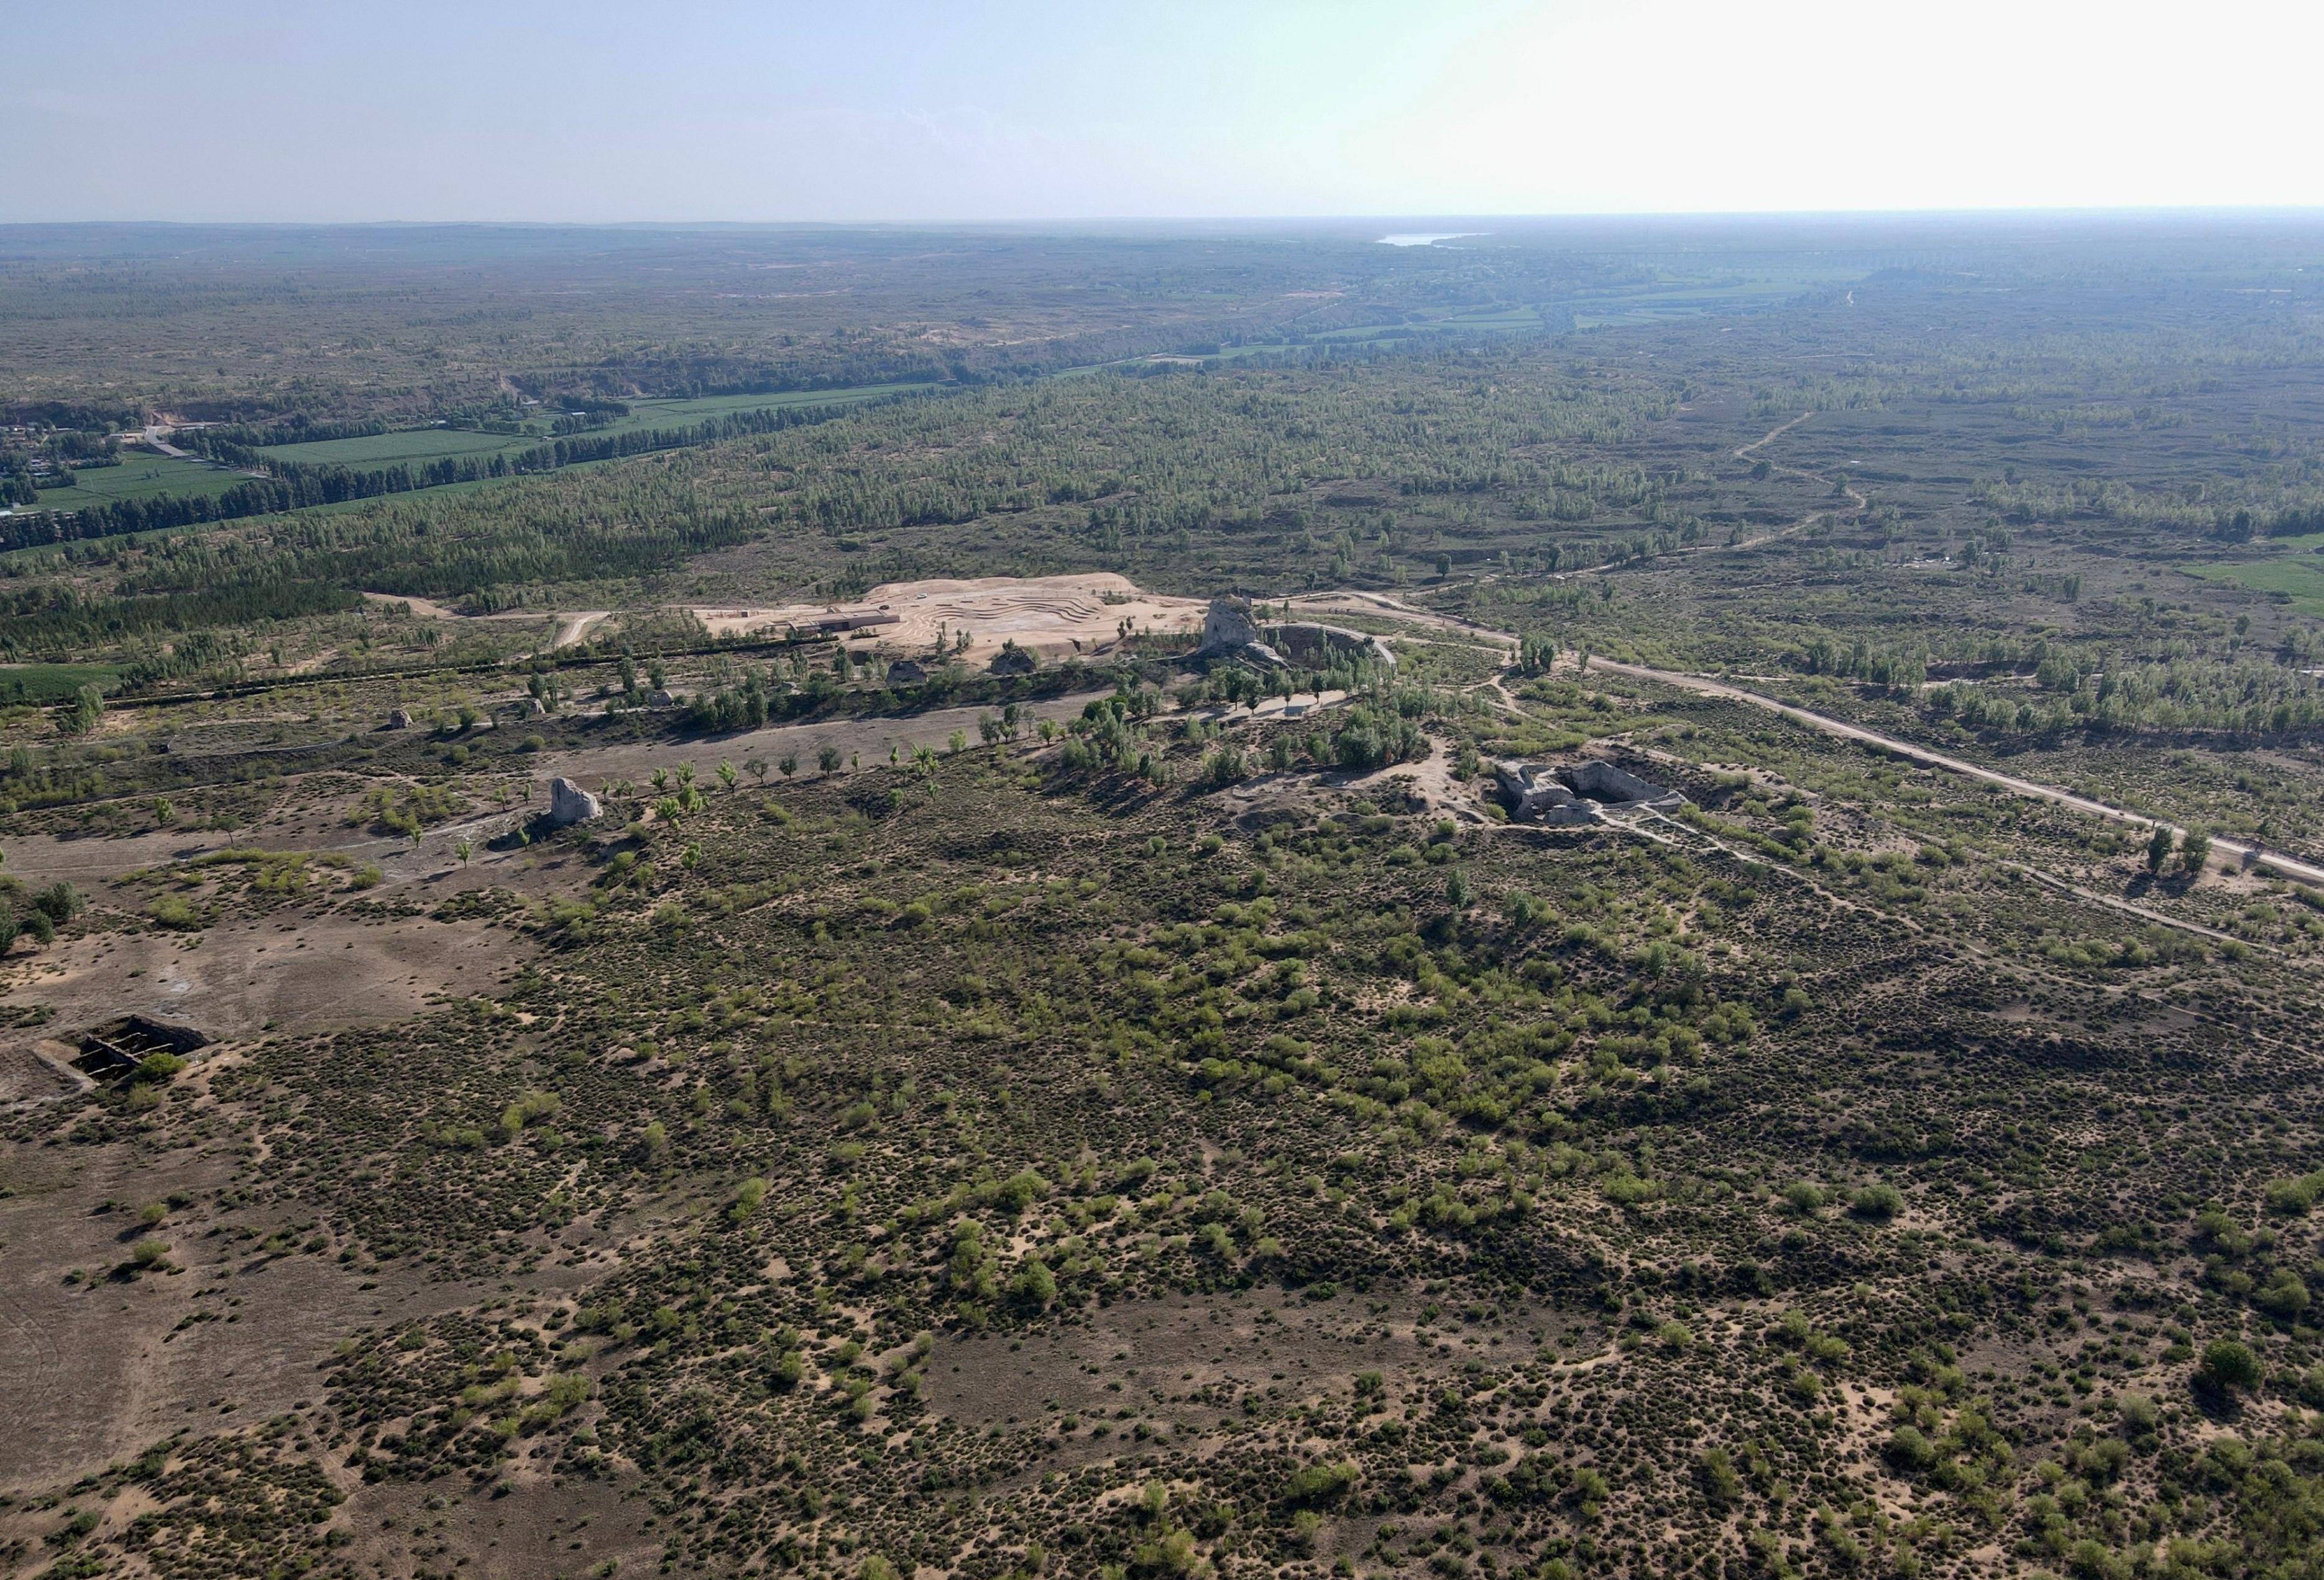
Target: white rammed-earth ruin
x=1579, y=793
x=1231, y=632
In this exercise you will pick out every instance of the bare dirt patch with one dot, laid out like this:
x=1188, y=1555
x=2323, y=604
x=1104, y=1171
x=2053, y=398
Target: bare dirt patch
x=228, y=1331
x=35, y=1069
x=294, y=974
x=1054, y=615
x=1192, y=1358
x=868, y=738
x=533, y=1529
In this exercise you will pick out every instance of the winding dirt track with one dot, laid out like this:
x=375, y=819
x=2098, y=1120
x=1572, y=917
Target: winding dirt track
x=572, y=628
x=2250, y=856
x=2247, y=854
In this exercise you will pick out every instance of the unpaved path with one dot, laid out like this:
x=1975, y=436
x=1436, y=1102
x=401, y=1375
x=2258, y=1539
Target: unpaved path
x=1352, y=602
x=571, y=628
x=89, y=859
x=2246, y=855
x=571, y=624
x=1298, y=706
x=869, y=738
x=2129, y=909
x=1743, y=452
x=157, y=436
x=1857, y=501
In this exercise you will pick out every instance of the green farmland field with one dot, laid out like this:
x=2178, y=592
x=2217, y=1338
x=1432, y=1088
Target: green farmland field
x=2297, y=572
x=674, y=413
x=410, y=444
x=45, y=683
x=140, y=475
x=434, y=444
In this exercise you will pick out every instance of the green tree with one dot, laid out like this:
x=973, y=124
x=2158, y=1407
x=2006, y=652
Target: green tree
x=2194, y=852
x=2158, y=848
x=1721, y=1483
x=1034, y=1284
x=747, y=1197
x=59, y=902
x=2230, y=1366
x=87, y=708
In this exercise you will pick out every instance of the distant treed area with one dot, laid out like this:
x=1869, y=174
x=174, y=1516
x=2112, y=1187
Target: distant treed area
x=497, y=352
x=241, y=323
x=1978, y=451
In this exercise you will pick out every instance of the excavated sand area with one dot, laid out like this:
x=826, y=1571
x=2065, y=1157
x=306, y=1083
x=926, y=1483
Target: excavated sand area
x=299, y=973
x=1054, y=615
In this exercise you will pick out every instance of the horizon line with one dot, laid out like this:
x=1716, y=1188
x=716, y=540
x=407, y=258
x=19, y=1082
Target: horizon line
x=2069, y=212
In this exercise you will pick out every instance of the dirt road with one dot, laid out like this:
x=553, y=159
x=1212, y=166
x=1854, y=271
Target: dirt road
x=2245, y=854
x=572, y=628
x=157, y=437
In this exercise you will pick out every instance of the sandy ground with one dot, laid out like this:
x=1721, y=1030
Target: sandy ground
x=424, y=609
x=1151, y=1349
x=1054, y=615
x=1306, y=605
x=572, y=626
x=104, y=1367
x=296, y=972
x=869, y=737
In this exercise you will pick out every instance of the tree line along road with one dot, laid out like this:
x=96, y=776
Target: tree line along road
x=2248, y=855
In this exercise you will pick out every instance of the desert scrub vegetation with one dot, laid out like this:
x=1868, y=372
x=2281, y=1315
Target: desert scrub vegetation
x=407, y=809
x=933, y=1055
x=1112, y=1135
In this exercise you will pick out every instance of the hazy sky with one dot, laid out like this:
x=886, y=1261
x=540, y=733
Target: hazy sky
x=870, y=110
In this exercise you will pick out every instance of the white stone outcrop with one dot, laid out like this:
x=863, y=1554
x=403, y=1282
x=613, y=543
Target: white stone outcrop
x=568, y=803
x=1229, y=633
